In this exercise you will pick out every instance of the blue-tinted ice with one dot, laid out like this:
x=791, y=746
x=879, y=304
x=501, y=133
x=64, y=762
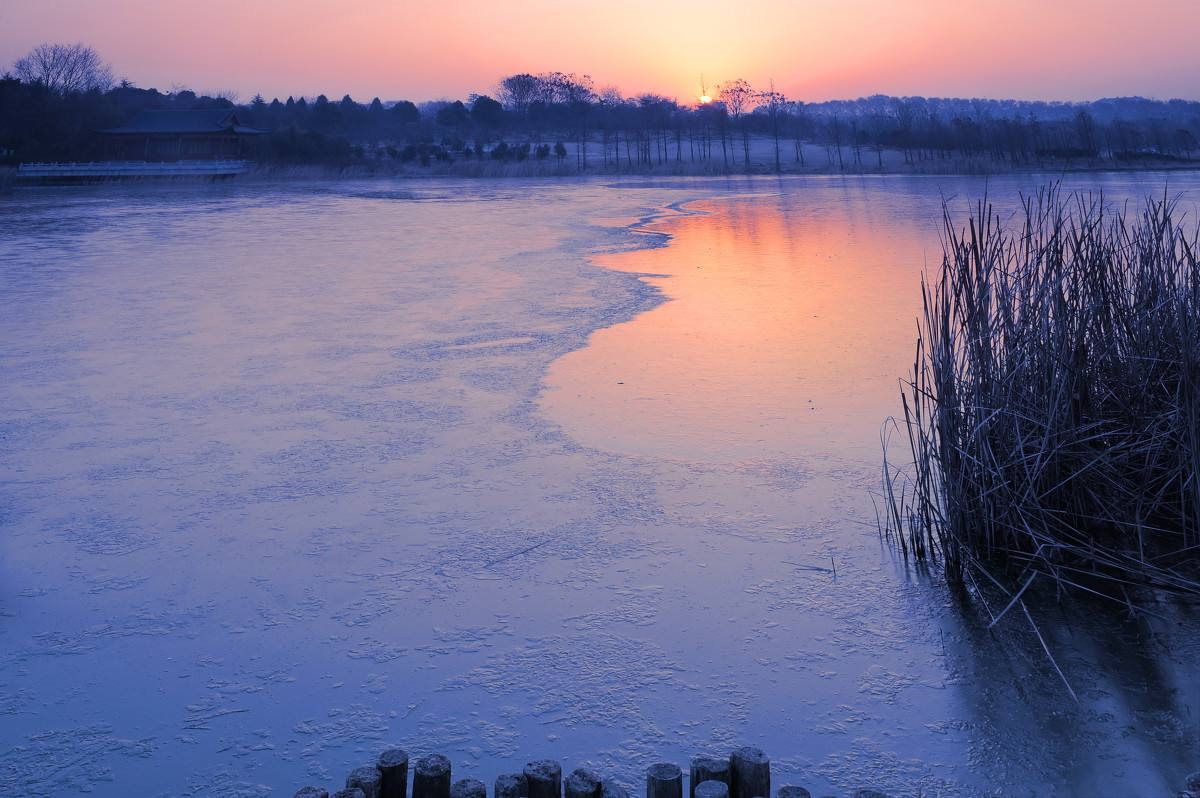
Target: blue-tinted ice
x=289, y=474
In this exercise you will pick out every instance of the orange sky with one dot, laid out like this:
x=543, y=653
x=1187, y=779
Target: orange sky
x=814, y=49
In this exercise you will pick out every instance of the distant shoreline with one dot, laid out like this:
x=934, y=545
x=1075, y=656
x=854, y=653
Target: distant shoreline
x=460, y=170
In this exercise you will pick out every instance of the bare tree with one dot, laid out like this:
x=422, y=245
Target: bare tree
x=518, y=91
x=799, y=125
x=577, y=93
x=610, y=100
x=739, y=97
x=566, y=87
x=774, y=102
x=65, y=68
x=229, y=95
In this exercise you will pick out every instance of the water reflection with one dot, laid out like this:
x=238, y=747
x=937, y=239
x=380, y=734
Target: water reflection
x=779, y=337
x=789, y=317
x=1134, y=730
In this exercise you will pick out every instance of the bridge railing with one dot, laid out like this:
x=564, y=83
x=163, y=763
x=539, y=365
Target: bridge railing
x=132, y=168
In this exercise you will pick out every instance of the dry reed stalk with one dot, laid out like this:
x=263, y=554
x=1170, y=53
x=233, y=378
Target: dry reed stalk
x=1053, y=411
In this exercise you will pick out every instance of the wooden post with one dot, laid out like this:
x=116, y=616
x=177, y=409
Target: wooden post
x=708, y=768
x=712, y=789
x=468, y=788
x=431, y=777
x=365, y=778
x=511, y=785
x=664, y=780
x=393, y=768
x=750, y=773
x=543, y=778
x=311, y=792
x=792, y=791
x=582, y=783
x=610, y=789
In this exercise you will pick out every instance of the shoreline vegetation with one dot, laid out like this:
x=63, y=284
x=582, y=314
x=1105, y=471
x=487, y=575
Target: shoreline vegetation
x=1051, y=423
x=484, y=170
x=56, y=100
x=277, y=172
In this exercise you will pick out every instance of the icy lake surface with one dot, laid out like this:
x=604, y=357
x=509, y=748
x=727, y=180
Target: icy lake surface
x=507, y=470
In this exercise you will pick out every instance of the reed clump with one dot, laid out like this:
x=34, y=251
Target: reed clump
x=1053, y=410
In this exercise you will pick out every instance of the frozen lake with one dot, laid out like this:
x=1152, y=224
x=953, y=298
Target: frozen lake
x=289, y=474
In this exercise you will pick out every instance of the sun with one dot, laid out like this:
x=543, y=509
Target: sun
x=705, y=99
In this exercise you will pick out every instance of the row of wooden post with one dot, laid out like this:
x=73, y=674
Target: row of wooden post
x=746, y=773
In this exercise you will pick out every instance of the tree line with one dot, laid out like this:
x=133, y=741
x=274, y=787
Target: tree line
x=57, y=97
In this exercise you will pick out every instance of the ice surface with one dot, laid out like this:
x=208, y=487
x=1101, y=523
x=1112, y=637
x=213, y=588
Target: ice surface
x=291, y=475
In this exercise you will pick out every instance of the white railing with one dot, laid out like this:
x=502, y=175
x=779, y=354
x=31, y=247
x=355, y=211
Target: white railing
x=134, y=169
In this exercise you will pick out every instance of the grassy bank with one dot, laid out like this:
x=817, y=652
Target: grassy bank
x=1052, y=418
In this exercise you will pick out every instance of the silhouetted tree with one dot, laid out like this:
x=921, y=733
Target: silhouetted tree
x=406, y=113
x=773, y=101
x=1085, y=128
x=738, y=97
x=487, y=113
x=64, y=68
x=518, y=91
x=40, y=121
x=452, y=115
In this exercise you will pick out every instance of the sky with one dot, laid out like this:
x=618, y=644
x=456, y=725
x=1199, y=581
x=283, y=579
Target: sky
x=812, y=49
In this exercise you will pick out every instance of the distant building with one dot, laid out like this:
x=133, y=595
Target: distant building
x=182, y=135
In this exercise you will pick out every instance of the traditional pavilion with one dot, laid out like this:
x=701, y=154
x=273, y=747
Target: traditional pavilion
x=214, y=133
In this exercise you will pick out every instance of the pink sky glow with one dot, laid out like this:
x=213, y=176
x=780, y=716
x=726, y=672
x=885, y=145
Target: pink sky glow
x=813, y=49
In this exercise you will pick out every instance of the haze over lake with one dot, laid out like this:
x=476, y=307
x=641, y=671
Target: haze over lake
x=504, y=470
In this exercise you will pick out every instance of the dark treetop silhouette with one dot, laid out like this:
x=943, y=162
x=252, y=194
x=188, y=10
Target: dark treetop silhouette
x=58, y=97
